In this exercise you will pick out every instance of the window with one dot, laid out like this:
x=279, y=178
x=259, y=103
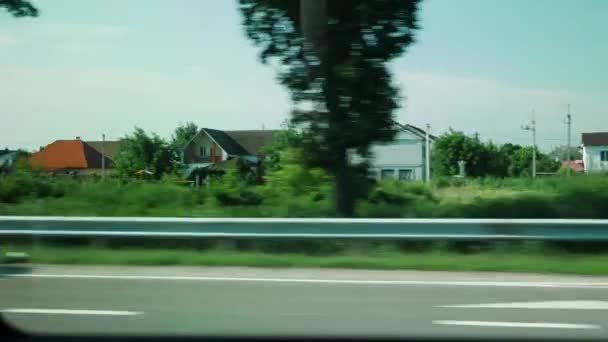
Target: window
x=604, y=155
x=204, y=151
x=387, y=174
x=406, y=174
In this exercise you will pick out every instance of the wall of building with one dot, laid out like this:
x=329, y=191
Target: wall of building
x=405, y=155
x=192, y=153
x=592, y=158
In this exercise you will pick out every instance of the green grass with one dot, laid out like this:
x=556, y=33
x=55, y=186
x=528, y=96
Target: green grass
x=486, y=261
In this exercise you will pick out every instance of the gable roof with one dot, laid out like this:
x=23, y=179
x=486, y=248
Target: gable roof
x=595, y=139
x=110, y=147
x=252, y=140
x=68, y=154
x=419, y=132
x=226, y=142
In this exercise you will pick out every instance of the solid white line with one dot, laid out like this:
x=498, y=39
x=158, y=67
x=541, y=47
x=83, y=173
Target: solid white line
x=557, y=304
x=72, y=312
x=323, y=281
x=519, y=324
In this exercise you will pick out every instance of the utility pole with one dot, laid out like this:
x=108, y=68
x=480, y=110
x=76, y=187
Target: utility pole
x=532, y=127
x=103, y=156
x=569, y=123
x=427, y=163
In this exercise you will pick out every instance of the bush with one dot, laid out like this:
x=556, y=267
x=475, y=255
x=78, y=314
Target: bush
x=20, y=185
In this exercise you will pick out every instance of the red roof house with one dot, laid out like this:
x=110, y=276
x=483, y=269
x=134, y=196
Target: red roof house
x=68, y=155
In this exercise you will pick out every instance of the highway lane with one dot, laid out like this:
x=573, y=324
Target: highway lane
x=244, y=301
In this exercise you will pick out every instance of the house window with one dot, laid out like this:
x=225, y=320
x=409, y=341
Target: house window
x=387, y=174
x=204, y=151
x=406, y=174
x=604, y=156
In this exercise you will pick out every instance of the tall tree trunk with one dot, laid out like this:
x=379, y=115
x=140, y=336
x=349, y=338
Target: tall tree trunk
x=314, y=19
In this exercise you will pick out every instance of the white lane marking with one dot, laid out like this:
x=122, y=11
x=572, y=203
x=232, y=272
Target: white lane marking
x=519, y=324
x=72, y=312
x=581, y=285
x=556, y=304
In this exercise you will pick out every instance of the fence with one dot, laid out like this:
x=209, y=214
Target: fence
x=319, y=228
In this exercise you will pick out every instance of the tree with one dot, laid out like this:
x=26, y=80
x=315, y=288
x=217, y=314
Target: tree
x=561, y=153
x=521, y=163
x=333, y=57
x=289, y=138
x=182, y=135
x=453, y=146
x=141, y=151
x=19, y=8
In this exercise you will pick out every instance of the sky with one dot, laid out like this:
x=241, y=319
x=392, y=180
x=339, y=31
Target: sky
x=90, y=67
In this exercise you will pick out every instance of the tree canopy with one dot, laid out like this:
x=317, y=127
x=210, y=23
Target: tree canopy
x=19, y=8
x=143, y=151
x=332, y=58
x=485, y=158
x=182, y=135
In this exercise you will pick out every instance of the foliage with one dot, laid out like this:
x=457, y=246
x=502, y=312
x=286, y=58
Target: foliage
x=182, y=136
x=521, y=163
x=20, y=185
x=19, y=8
x=485, y=159
x=454, y=146
x=143, y=151
x=283, y=140
x=334, y=58
x=561, y=153
x=234, y=190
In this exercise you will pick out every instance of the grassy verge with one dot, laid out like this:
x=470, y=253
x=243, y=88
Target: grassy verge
x=485, y=261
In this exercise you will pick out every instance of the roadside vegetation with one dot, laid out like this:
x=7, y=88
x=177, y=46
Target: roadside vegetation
x=293, y=191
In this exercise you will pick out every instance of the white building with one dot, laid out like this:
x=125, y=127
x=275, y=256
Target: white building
x=595, y=151
x=404, y=158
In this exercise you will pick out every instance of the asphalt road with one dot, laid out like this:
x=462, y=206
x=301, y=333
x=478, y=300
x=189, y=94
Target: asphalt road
x=243, y=301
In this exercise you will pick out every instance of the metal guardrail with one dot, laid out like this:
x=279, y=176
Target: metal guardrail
x=452, y=229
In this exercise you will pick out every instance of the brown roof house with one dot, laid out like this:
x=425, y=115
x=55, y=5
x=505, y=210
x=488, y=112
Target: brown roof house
x=70, y=156
x=213, y=149
x=595, y=152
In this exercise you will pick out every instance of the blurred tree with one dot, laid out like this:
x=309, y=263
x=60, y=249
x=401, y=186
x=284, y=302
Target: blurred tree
x=332, y=57
x=453, y=146
x=561, y=153
x=182, y=135
x=19, y=8
x=521, y=163
x=140, y=151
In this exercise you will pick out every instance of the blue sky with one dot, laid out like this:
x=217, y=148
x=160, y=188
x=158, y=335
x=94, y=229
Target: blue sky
x=88, y=67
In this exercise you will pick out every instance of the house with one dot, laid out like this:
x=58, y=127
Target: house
x=211, y=148
x=108, y=148
x=595, y=151
x=404, y=158
x=70, y=156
